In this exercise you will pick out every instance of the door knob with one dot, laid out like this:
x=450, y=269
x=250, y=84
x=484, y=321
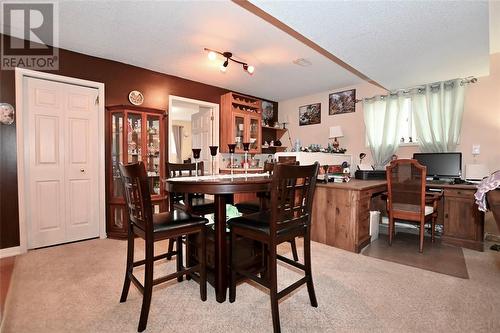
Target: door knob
x=82, y=170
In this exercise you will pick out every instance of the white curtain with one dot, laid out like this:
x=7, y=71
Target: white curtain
x=437, y=111
x=177, y=142
x=382, y=119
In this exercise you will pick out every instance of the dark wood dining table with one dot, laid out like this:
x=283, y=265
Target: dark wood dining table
x=222, y=187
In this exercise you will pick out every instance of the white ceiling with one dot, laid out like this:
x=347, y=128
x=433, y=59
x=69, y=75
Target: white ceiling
x=169, y=37
x=396, y=43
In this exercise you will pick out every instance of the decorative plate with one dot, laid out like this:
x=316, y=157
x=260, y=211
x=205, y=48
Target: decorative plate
x=6, y=114
x=135, y=97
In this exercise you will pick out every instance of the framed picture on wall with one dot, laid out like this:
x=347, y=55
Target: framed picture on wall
x=342, y=102
x=268, y=113
x=310, y=114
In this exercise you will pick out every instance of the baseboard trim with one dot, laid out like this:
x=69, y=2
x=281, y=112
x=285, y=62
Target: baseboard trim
x=10, y=251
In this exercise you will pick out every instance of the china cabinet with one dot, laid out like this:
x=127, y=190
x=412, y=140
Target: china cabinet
x=241, y=121
x=133, y=134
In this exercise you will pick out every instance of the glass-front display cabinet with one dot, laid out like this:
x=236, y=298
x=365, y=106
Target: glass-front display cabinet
x=133, y=134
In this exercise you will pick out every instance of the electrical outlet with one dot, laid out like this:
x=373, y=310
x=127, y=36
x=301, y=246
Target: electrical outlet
x=476, y=149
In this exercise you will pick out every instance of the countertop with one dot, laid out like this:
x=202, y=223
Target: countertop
x=354, y=184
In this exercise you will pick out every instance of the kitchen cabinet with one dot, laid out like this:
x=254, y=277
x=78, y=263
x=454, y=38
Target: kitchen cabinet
x=241, y=121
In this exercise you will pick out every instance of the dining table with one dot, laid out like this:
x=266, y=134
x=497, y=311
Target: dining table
x=222, y=187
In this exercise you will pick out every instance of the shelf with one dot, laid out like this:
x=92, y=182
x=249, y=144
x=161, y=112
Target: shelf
x=273, y=149
x=279, y=130
x=248, y=105
x=245, y=100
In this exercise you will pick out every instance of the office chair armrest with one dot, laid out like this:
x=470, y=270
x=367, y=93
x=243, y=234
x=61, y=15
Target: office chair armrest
x=432, y=196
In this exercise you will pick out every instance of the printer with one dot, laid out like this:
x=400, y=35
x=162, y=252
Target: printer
x=366, y=172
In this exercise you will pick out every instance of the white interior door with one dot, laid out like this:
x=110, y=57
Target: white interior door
x=61, y=162
x=201, y=128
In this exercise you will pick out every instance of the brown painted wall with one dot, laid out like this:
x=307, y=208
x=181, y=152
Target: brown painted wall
x=119, y=80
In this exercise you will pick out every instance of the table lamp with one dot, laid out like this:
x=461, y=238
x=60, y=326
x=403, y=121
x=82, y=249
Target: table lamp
x=336, y=132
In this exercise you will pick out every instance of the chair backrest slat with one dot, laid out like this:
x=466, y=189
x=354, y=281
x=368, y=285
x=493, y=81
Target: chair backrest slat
x=184, y=169
x=406, y=183
x=292, y=192
x=137, y=195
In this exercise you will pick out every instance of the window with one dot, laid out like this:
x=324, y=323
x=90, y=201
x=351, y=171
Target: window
x=407, y=125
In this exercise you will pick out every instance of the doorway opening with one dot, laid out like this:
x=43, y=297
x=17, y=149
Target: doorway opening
x=193, y=124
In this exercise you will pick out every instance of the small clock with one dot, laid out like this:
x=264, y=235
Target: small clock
x=136, y=97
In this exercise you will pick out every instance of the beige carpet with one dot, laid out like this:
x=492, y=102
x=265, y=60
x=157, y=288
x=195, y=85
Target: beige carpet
x=437, y=257
x=76, y=288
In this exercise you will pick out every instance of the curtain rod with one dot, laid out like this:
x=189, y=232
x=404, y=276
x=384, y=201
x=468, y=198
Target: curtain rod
x=466, y=80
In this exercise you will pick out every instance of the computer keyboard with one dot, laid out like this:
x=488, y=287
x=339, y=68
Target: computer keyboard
x=439, y=182
x=448, y=182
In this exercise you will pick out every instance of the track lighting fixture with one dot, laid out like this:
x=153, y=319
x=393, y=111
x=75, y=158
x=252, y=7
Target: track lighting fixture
x=212, y=55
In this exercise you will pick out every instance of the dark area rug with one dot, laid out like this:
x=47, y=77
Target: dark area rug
x=437, y=257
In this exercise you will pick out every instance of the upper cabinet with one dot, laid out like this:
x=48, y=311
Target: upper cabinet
x=241, y=121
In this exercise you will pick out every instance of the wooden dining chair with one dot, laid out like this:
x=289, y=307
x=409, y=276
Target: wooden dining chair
x=192, y=203
x=407, y=199
x=254, y=206
x=292, y=191
x=152, y=228
x=493, y=199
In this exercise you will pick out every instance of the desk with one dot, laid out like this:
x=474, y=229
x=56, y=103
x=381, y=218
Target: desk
x=463, y=222
x=222, y=187
x=341, y=214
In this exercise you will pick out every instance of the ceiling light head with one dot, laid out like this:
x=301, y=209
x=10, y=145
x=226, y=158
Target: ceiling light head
x=248, y=68
x=226, y=63
x=223, y=68
x=212, y=55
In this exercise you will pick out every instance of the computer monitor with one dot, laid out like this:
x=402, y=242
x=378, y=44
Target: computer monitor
x=441, y=165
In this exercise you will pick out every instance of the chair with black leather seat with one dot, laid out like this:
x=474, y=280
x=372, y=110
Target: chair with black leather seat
x=155, y=227
x=407, y=199
x=190, y=202
x=254, y=206
x=292, y=191
x=193, y=202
